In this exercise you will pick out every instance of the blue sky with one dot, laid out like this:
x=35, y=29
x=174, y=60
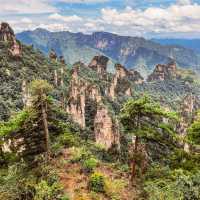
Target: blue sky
x=147, y=18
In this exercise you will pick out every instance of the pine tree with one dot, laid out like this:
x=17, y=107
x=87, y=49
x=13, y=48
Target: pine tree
x=144, y=119
x=39, y=91
x=194, y=131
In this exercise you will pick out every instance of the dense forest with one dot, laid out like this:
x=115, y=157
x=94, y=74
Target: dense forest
x=82, y=133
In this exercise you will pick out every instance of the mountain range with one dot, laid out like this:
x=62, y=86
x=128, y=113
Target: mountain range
x=132, y=52
x=193, y=44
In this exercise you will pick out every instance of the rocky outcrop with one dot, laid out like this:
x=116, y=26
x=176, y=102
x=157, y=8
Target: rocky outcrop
x=26, y=97
x=136, y=77
x=99, y=64
x=121, y=82
x=80, y=93
x=53, y=55
x=76, y=102
x=164, y=72
x=106, y=129
x=15, y=49
x=58, y=73
x=188, y=108
x=7, y=35
x=86, y=107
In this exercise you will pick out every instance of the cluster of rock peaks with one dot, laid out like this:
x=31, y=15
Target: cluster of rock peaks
x=7, y=35
x=87, y=99
x=164, y=72
x=99, y=64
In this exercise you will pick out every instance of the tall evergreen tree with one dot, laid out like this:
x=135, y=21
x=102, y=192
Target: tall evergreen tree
x=39, y=91
x=144, y=119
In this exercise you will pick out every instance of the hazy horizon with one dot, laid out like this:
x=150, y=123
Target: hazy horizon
x=147, y=18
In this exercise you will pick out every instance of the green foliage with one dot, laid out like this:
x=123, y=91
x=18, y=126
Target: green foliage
x=32, y=65
x=9, y=185
x=14, y=123
x=124, y=168
x=39, y=87
x=143, y=118
x=44, y=191
x=89, y=165
x=143, y=106
x=194, y=132
x=39, y=183
x=113, y=188
x=177, y=185
x=69, y=139
x=65, y=197
x=80, y=154
x=97, y=182
x=180, y=159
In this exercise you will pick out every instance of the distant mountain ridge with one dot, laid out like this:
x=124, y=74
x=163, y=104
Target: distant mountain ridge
x=132, y=52
x=193, y=44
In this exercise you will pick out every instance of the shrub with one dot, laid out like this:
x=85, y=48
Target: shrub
x=46, y=191
x=68, y=140
x=56, y=148
x=124, y=168
x=113, y=189
x=65, y=197
x=89, y=165
x=97, y=182
x=182, y=185
x=80, y=154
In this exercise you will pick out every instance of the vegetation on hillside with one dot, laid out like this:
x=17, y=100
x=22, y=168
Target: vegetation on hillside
x=45, y=155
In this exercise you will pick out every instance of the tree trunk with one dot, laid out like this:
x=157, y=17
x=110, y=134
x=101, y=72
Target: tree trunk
x=133, y=173
x=46, y=130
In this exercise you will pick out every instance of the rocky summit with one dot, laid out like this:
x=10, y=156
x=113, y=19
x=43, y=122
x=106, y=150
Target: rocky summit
x=164, y=72
x=7, y=35
x=6, y=32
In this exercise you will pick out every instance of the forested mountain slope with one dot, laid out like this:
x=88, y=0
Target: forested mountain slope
x=81, y=132
x=132, y=52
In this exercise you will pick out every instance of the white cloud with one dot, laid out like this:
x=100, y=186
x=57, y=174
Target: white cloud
x=180, y=19
x=26, y=6
x=83, y=1
x=26, y=20
x=68, y=19
x=173, y=19
x=184, y=2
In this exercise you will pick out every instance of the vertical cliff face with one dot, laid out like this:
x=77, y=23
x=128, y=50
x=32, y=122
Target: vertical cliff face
x=99, y=64
x=86, y=104
x=188, y=107
x=164, y=72
x=106, y=130
x=58, y=72
x=26, y=97
x=76, y=102
x=121, y=81
x=6, y=32
x=15, y=49
x=7, y=35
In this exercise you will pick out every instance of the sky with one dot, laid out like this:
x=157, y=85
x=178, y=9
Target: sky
x=143, y=18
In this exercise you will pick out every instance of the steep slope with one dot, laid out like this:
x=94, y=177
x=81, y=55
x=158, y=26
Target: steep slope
x=17, y=70
x=80, y=131
x=129, y=51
